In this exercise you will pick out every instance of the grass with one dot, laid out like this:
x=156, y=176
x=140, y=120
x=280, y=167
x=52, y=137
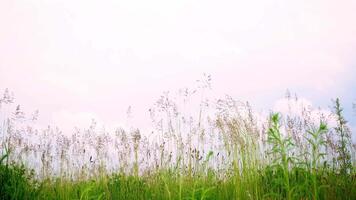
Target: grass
x=285, y=158
x=16, y=184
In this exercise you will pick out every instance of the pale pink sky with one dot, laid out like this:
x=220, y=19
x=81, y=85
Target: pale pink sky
x=81, y=59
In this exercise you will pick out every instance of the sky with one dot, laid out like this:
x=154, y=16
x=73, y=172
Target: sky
x=75, y=60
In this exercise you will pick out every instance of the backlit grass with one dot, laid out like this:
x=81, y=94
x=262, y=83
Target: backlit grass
x=225, y=155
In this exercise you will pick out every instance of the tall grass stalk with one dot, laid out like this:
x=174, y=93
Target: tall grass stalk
x=280, y=150
x=317, y=142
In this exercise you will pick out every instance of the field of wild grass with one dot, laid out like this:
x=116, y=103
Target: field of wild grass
x=205, y=149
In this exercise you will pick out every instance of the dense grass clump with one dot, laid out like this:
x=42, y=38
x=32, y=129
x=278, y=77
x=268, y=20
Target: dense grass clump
x=166, y=185
x=225, y=151
x=15, y=182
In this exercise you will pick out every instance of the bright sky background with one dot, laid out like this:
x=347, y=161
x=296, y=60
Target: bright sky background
x=74, y=59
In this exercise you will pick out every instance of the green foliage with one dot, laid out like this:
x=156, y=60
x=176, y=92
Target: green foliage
x=247, y=175
x=316, y=141
x=343, y=150
x=16, y=183
x=270, y=184
x=281, y=158
x=344, y=143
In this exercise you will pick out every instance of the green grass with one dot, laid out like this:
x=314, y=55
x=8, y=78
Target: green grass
x=166, y=185
x=242, y=162
x=286, y=177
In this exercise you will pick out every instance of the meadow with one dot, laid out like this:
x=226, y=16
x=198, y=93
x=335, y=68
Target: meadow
x=204, y=149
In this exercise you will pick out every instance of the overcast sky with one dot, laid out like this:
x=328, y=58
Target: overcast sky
x=74, y=60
